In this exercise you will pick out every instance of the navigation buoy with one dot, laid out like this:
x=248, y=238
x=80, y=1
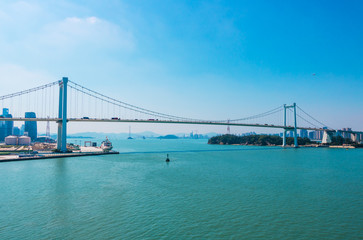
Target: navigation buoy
x=167, y=158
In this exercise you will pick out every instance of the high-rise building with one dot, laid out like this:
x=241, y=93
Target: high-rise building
x=22, y=129
x=290, y=134
x=6, y=127
x=16, y=131
x=30, y=126
x=303, y=133
x=319, y=135
x=345, y=134
x=312, y=135
x=2, y=130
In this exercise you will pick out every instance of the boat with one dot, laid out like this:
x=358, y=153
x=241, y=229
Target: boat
x=106, y=145
x=129, y=133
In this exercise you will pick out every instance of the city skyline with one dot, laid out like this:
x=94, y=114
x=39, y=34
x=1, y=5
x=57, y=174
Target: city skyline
x=29, y=128
x=208, y=59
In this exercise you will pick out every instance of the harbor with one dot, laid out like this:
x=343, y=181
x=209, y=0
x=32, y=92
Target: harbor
x=38, y=151
x=91, y=151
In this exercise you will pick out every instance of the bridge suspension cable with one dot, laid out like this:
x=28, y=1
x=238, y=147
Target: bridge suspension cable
x=141, y=110
x=39, y=100
x=265, y=114
x=43, y=99
x=311, y=117
x=29, y=90
x=118, y=103
x=125, y=105
x=301, y=117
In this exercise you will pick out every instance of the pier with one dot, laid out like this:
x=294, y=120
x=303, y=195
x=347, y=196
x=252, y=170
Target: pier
x=12, y=158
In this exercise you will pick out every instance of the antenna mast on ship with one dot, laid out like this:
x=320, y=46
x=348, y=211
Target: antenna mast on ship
x=129, y=133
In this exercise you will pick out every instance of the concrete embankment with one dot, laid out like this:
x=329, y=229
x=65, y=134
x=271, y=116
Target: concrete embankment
x=11, y=158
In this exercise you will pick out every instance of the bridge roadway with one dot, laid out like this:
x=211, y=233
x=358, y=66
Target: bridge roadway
x=170, y=122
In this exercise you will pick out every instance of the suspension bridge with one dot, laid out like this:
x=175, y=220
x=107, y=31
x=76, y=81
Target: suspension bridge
x=65, y=101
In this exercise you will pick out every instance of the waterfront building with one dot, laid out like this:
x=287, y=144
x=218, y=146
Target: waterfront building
x=24, y=140
x=22, y=129
x=31, y=127
x=303, y=133
x=319, y=135
x=2, y=130
x=345, y=134
x=11, y=140
x=16, y=131
x=311, y=135
x=6, y=127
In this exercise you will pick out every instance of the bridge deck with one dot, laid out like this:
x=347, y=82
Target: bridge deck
x=170, y=122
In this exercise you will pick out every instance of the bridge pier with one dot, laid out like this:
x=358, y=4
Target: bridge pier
x=295, y=127
x=62, y=114
x=354, y=137
x=327, y=137
x=284, y=134
x=294, y=130
x=284, y=138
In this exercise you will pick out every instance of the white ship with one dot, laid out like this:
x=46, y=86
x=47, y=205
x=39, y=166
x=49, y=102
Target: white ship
x=106, y=145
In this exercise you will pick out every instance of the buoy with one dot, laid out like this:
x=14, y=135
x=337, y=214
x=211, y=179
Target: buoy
x=167, y=158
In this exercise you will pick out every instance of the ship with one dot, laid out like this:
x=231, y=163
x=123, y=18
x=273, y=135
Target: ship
x=106, y=145
x=129, y=133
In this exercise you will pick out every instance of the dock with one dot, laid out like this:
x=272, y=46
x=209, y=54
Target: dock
x=12, y=158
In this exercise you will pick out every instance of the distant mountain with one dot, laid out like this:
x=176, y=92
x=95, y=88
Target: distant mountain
x=169, y=137
x=112, y=135
x=146, y=134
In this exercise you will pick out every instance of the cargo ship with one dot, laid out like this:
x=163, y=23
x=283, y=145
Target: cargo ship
x=106, y=145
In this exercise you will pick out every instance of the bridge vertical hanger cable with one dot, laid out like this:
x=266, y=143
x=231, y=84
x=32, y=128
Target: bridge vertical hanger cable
x=129, y=106
x=302, y=118
x=324, y=125
x=139, y=110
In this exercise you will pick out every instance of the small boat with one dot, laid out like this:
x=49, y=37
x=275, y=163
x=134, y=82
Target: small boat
x=106, y=145
x=129, y=133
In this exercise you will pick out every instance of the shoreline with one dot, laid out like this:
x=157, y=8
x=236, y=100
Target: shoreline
x=291, y=146
x=55, y=155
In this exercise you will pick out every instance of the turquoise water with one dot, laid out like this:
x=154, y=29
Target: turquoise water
x=205, y=192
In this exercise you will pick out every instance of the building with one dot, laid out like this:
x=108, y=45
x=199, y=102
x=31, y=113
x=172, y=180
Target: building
x=24, y=140
x=312, y=135
x=345, y=134
x=16, y=131
x=303, y=133
x=11, y=140
x=30, y=126
x=319, y=135
x=290, y=133
x=22, y=129
x=6, y=127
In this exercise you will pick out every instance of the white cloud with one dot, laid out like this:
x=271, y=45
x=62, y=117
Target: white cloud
x=89, y=32
x=15, y=78
x=33, y=33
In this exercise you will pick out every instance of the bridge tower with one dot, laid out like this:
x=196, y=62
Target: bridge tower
x=62, y=115
x=289, y=128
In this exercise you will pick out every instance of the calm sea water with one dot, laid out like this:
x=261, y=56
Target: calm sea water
x=205, y=192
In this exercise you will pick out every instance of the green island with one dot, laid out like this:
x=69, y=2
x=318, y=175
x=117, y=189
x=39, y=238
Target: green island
x=273, y=140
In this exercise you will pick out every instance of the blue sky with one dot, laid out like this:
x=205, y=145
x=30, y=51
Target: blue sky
x=201, y=59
